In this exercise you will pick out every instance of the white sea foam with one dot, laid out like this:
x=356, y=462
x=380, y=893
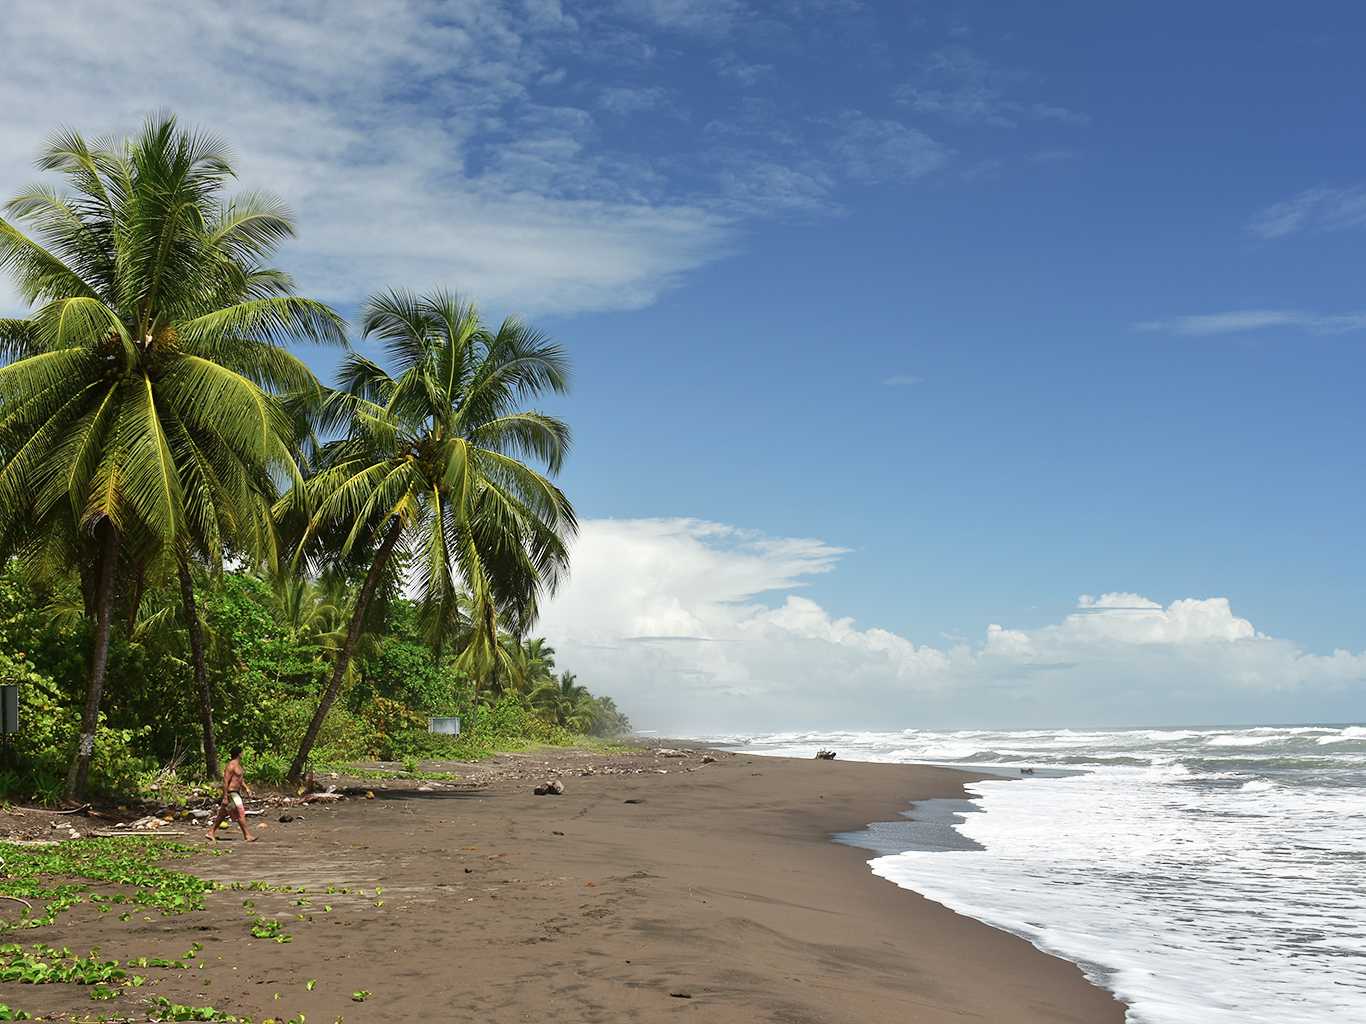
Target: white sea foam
x=1206, y=876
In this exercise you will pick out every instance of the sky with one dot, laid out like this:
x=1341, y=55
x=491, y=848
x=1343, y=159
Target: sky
x=938, y=365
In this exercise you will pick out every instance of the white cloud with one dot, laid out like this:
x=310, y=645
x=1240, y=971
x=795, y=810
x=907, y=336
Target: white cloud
x=964, y=87
x=707, y=17
x=874, y=150
x=737, y=72
x=1323, y=209
x=662, y=615
x=406, y=135
x=539, y=155
x=1239, y=320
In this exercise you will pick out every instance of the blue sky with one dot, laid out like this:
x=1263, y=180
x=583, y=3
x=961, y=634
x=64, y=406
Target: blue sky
x=995, y=304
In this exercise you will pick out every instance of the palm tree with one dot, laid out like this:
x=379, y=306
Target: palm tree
x=432, y=461
x=136, y=412
x=564, y=702
x=538, y=662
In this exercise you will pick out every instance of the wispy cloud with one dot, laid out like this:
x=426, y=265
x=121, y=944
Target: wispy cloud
x=1315, y=209
x=966, y=88
x=663, y=615
x=1240, y=320
x=875, y=150
x=412, y=139
x=901, y=379
x=539, y=154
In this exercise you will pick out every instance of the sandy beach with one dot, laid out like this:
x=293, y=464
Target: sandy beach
x=654, y=887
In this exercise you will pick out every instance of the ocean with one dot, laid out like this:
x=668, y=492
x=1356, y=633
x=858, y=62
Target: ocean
x=1205, y=876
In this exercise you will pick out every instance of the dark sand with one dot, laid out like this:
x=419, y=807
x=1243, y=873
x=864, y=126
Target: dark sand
x=721, y=883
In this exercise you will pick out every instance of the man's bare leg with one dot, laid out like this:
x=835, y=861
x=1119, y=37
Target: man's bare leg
x=242, y=821
x=218, y=820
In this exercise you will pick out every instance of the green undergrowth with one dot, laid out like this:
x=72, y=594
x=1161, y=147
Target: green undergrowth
x=34, y=874
x=48, y=966
x=58, y=877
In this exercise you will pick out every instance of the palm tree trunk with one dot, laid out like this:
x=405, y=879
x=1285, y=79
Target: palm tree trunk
x=74, y=791
x=296, y=770
x=491, y=625
x=201, y=673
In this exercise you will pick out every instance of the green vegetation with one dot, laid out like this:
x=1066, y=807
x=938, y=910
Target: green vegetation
x=264, y=677
x=46, y=966
x=56, y=878
x=199, y=540
x=124, y=862
x=270, y=930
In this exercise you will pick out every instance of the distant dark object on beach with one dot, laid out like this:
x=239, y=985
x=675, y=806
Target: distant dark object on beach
x=1026, y=771
x=633, y=801
x=285, y=819
x=825, y=755
x=554, y=787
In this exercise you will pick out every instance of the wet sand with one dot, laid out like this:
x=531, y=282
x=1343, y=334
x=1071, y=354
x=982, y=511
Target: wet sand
x=655, y=888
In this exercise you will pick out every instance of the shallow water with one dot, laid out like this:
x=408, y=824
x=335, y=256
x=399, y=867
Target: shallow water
x=1203, y=875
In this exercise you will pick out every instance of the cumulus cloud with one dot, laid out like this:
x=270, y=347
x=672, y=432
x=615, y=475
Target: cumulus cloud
x=1238, y=320
x=665, y=615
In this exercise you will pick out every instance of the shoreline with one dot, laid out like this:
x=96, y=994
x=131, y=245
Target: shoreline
x=653, y=886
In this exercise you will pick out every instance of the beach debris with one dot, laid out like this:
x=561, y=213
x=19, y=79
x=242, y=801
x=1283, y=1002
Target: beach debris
x=554, y=788
x=708, y=759
x=681, y=995
x=666, y=752
x=557, y=833
x=142, y=824
x=369, y=794
x=825, y=755
x=285, y=819
x=633, y=801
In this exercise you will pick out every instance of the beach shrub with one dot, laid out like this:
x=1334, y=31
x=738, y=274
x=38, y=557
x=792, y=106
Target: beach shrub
x=42, y=749
x=265, y=684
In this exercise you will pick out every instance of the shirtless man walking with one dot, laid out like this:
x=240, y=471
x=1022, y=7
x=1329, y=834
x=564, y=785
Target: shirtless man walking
x=231, y=806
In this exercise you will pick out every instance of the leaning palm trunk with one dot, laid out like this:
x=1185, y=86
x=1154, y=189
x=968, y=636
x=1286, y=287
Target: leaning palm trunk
x=296, y=769
x=104, y=613
x=201, y=673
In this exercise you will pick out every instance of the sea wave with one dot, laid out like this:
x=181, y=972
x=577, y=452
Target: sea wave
x=1207, y=876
